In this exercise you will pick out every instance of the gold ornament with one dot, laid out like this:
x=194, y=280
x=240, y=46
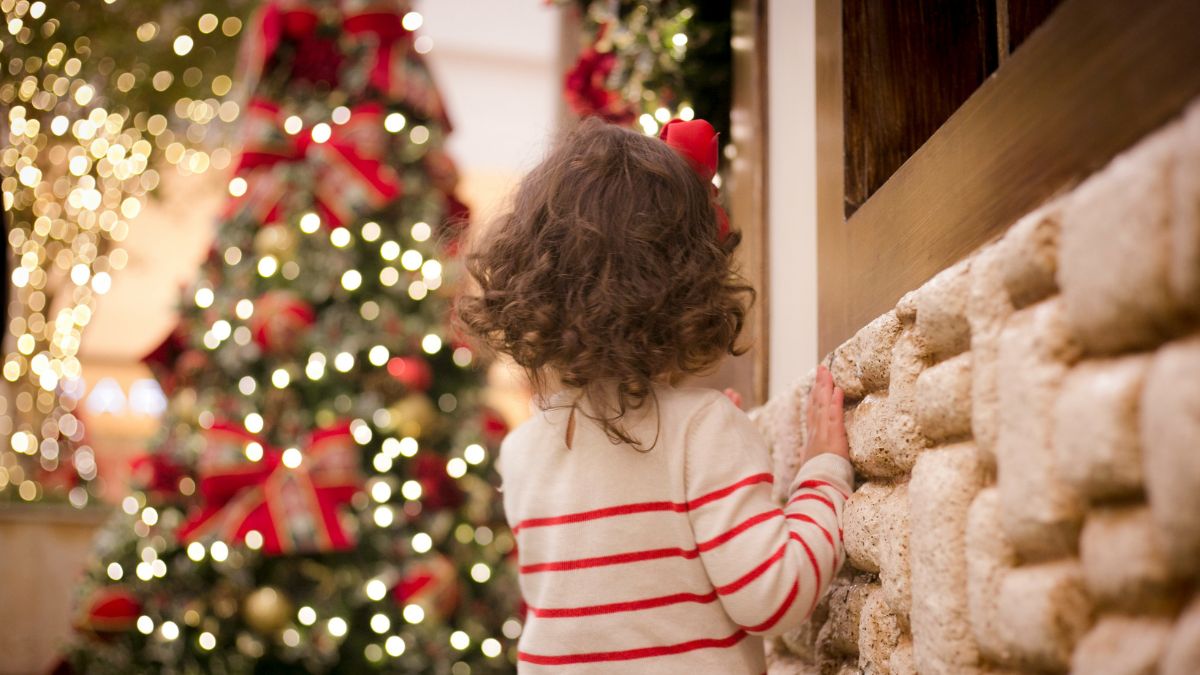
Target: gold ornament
x=276, y=240
x=413, y=415
x=266, y=610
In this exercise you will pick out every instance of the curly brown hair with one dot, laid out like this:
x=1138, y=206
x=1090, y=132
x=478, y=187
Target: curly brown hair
x=607, y=273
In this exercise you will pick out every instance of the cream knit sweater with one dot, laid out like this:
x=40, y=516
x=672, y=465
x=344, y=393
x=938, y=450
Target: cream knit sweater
x=675, y=560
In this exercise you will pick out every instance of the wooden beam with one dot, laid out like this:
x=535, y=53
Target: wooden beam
x=1093, y=79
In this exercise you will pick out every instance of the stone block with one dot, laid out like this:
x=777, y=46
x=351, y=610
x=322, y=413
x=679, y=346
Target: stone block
x=879, y=633
x=1042, y=513
x=1043, y=610
x=861, y=365
x=944, y=483
x=944, y=399
x=895, y=576
x=1182, y=655
x=1122, y=645
x=988, y=308
x=941, y=306
x=1115, y=251
x=1095, y=427
x=845, y=609
x=1124, y=563
x=1170, y=433
x=863, y=526
x=884, y=440
x=989, y=557
x=1028, y=257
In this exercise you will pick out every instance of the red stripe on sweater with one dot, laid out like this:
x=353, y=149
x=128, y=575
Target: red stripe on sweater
x=774, y=618
x=615, y=559
x=809, y=519
x=814, y=483
x=816, y=572
x=753, y=574
x=644, y=507
x=812, y=496
x=651, y=554
x=628, y=606
x=738, y=529
x=630, y=654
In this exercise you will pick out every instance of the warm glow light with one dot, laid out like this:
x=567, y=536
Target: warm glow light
x=412, y=21
x=490, y=647
x=421, y=542
x=380, y=623
x=456, y=467
x=394, y=645
x=474, y=453
x=337, y=626
x=460, y=640
x=307, y=615
x=411, y=490
x=292, y=458
x=431, y=344
x=375, y=590
x=414, y=613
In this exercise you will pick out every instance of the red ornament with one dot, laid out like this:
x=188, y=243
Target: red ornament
x=438, y=489
x=412, y=371
x=110, y=610
x=586, y=87
x=432, y=583
x=279, y=320
x=161, y=360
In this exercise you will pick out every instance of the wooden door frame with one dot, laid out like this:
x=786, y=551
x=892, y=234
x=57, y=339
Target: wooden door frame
x=1092, y=80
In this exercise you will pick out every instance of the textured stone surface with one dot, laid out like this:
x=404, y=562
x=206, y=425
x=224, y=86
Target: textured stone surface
x=1095, y=427
x=1124, y=564
x=884, y=440
x=895, y=575
x=1043, y=610
x=988, y=308
x=1041, y=512
x=989, y=557
x=941, y=305
x=879, y=634
x=1122, y=645
x=1182, y=655
x=861, y=365
x=1170, y=431
x=845, y=610
x=944, y=482
x=1028, y=257
x=1118, y=221
x=944, y=399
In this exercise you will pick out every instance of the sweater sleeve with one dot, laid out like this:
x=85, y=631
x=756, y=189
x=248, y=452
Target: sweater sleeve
x=769, y=565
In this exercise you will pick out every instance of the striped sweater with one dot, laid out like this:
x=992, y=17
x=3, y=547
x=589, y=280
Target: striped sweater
x=675, y=560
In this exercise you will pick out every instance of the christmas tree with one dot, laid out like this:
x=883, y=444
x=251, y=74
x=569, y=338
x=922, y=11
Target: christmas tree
x=321, y=498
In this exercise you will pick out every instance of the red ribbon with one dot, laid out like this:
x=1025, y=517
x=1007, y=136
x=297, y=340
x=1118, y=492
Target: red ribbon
x=397, y=71
x=350, y=179
x=296, y=510
x=696, y=141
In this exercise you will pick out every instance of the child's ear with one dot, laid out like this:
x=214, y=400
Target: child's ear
x=732, y=395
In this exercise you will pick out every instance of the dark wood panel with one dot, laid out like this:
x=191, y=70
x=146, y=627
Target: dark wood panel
x=1017, y=19
x=907, y=67
x=1097, y=76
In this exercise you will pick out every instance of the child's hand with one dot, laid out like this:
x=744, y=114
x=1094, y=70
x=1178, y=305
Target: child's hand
x=732, y=395
x=826, y=428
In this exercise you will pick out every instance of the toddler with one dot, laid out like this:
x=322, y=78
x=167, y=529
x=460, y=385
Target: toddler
x=648, y=539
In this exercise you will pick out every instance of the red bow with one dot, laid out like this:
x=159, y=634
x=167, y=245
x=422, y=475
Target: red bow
x=296, y=510
x=350, y=178
x=696, y=141
x=396, y=70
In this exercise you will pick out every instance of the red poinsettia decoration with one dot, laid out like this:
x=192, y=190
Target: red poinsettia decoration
x=586, y=87
x=109, y=610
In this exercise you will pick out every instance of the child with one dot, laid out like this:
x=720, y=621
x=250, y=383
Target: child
x=648, y=539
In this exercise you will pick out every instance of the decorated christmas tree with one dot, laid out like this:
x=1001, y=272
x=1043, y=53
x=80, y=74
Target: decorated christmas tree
x=321, y=497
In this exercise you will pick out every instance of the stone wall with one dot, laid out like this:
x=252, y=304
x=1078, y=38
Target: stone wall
x=1026, y=432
